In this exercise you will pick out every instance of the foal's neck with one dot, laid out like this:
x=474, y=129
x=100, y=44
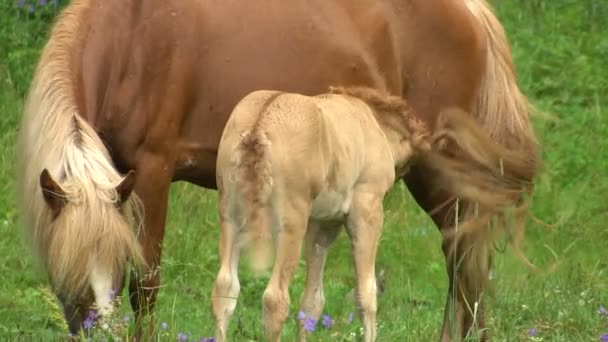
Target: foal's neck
x=399, y=137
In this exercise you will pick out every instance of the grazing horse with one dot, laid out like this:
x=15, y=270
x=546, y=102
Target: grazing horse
x=302, y=166
x=131, y=95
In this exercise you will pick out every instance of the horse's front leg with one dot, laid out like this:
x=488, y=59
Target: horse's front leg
x=152, y=187
x=364, y=225
x=318, y=240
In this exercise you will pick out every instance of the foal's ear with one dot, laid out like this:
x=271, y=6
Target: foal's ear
x=53, y=195
x=125, y=187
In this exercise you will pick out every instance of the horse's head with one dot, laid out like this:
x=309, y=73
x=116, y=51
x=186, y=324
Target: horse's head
x=87, y=240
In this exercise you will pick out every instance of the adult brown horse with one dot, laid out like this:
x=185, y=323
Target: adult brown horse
x=146, y=86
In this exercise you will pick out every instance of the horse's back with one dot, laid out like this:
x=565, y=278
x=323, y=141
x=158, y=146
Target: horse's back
x=163, y=76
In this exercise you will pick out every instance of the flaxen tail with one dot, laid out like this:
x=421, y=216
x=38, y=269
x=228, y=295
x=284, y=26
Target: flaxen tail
x=488, y=179
x=255, y=186
x=475, y=167
x=495, y=160
x=501, y=108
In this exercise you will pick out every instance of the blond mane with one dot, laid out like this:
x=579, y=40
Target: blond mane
x=53, y=136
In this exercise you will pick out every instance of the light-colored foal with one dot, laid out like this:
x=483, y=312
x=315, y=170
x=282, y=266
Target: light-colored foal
x=304, y=166
x=297, y=168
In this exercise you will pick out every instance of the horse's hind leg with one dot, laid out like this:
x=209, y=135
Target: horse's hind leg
x=226, y=287
x=456, y=83
x=364, y=226
x=463, y=308
x=289, y=244
x=317, y=242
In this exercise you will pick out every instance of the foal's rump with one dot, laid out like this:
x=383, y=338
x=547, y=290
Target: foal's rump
x=281, y=149
x=261, y=146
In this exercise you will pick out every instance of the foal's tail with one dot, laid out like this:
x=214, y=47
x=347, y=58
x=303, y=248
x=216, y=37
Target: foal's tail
x=479, y=171
x=255, y=185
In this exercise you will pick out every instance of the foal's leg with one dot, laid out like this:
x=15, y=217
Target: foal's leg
x=317, y=242
x=289, y=244
x=364, y=226
x=152, y=186
x=226, y=288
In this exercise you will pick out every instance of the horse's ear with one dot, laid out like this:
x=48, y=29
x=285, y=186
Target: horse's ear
x=125, y=187
x=53, y=195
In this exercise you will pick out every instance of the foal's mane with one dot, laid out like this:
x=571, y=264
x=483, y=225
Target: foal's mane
x=385, y=104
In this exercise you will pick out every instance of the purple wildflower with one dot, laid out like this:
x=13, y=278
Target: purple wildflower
x=327, y=321
x=533, y=332
x=42, y=2
x=604, y=338
x=88, y=323
x=182, y=337
x=21, y=3
x=310, y=324
x=163, y=326
x=205, y=339
x=602, y=310
x=350, y=318
x=301, y=316
x=92, y=314
x=127, y=318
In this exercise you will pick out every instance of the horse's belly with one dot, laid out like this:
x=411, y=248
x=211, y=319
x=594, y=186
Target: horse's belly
x=331, y=205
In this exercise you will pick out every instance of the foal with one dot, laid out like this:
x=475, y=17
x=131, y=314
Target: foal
x=299, y=167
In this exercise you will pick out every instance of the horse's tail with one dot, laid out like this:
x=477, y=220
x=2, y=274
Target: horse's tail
x=76, y=215
x=255, y=185
x=473, y=165
x=486, y=177
x=501, y=107
x=504, y=114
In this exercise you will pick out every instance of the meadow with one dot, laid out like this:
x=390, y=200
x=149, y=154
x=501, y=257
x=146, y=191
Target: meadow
x=560, y=49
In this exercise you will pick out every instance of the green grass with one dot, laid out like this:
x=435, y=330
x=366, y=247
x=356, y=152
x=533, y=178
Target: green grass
x=561, y=53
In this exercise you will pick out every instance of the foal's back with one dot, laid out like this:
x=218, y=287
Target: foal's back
x=318, y=147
